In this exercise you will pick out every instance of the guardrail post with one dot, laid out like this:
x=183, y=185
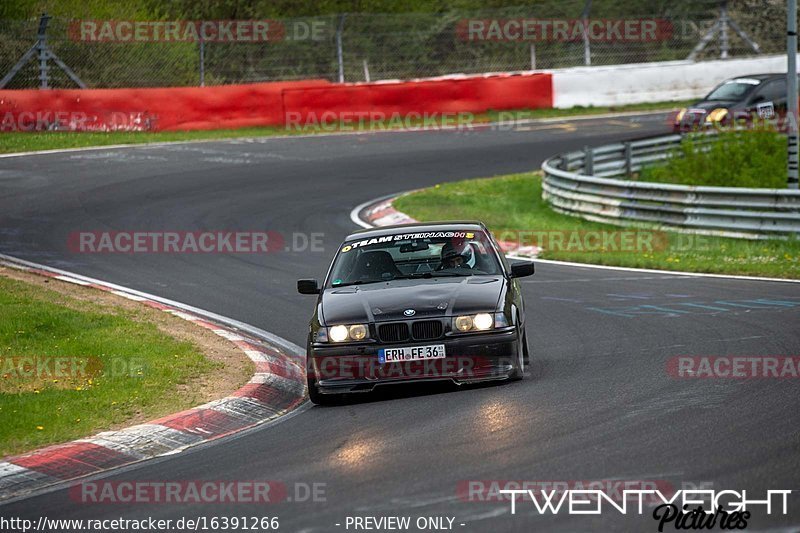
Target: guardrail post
x=202, y=62
x=588, y=161
x=628, y=159
x=339, y=53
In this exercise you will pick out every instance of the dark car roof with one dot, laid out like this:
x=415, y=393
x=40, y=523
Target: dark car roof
x=761, y=77
x=459, y=225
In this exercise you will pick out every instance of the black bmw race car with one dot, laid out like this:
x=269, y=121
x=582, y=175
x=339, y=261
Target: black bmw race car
x=416, y=302
x=737, y=100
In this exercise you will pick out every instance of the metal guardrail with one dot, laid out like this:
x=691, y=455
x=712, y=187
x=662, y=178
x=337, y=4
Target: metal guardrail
x=582, y=183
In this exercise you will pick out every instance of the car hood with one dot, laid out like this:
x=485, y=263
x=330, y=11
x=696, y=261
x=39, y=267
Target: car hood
x=434, y=297
x=709, y=105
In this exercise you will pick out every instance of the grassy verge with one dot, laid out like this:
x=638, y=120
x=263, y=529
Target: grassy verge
x=746, y=158
x=512, y=205
x=70, y=366
x=11, y=142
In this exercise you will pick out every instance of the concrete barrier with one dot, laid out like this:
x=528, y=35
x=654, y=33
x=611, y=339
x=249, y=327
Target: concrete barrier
x=652, y=82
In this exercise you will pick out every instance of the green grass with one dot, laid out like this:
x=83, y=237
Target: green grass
x=514, y=204
x=54, y=140
x=131, y=368
x=747, y=158
x=11, y=142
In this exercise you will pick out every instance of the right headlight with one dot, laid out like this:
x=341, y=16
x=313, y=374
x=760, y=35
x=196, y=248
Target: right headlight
x=479, y=322
x=343, y=333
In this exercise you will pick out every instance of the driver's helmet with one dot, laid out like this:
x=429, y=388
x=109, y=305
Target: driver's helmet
x=457, y=254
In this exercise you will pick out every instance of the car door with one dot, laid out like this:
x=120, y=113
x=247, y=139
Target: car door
x=769, y=101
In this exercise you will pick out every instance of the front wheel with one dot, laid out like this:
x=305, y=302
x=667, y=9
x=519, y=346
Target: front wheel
x=526, y=354
x=519, y=361
x=317, y=397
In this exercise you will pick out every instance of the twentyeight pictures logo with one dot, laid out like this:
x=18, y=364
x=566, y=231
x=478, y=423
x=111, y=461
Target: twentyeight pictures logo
x=684, y=509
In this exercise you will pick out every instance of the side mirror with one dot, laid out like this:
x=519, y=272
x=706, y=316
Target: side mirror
x=520, y=270
x=307, y=286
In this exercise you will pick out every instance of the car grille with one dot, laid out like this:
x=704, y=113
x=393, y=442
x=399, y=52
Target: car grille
x=426, y=329
x=393, y=332
x=421, y=330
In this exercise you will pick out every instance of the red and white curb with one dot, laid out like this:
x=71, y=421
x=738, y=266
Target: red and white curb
x=277, y=387
x=382, y=213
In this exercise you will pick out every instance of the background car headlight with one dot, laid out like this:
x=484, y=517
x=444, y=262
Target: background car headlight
x=718, y=115
x=342, y=332
x=679, y=116
x=479, y=322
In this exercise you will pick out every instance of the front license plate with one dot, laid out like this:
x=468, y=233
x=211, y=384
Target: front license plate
x=411, y=353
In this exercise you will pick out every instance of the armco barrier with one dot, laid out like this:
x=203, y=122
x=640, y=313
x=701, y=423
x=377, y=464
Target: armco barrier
x=579, y=184
x=263, y=104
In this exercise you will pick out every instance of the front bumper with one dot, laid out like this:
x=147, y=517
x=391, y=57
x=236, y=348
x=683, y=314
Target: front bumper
x=474, y=357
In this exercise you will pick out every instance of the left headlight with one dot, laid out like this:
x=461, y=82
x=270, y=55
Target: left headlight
x=343, y=333
x=718, y=115
x=479, y=322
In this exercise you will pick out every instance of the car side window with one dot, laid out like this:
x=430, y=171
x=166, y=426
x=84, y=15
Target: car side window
x=772, y=91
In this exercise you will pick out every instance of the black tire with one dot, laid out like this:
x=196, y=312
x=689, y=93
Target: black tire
x=519, y=364
x=526, y=354
x=317, y=397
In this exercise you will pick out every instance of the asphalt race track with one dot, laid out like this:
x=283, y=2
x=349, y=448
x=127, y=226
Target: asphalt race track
x=598, y=403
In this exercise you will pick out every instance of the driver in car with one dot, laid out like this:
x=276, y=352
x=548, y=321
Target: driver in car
x=456, y=255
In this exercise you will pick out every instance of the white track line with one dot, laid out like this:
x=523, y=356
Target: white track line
x=476, y=126
x=654, y=271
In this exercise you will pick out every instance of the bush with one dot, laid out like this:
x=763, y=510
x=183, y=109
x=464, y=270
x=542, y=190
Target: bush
x=747, y=158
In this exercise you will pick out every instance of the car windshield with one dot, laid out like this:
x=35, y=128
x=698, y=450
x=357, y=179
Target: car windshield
x=733, y=90
x=444, y=253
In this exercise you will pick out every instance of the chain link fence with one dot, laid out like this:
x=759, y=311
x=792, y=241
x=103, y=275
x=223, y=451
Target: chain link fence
x=361, y=47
